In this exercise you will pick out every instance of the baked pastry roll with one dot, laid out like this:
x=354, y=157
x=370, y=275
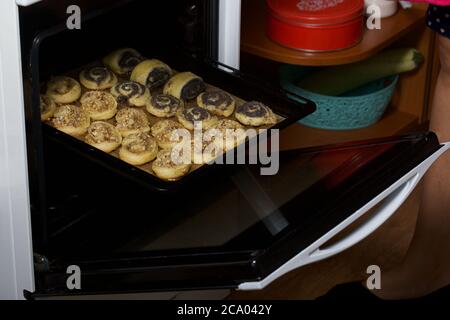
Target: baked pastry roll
x=131, y=121
x=231, y=132
x=170, y=166
x=123, y=61
x=255, y=114
x=164, y=132
x=63, y=90
x=98, y=78
x=206, y=150
x=47, y=106
x=151, y=73
x=164, y=106
x=131, y=93
x=103, y=136
x=71, y=119
x=138, y=149
x=99, y=105
x=190, y=117
x=185, y=86
x=217, y=102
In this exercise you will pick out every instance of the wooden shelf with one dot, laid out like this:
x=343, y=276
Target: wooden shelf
x=393, y=123
x=255, y=41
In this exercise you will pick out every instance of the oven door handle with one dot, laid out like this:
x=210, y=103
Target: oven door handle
x=389, y=201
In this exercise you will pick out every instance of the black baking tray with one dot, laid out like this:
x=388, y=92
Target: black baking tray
x=213, y=73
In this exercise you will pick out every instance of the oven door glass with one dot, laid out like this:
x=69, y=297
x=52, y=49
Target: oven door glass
x=231, y=229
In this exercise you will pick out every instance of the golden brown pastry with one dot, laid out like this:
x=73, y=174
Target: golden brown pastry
x=164, y=106
x=99, y=105
x=130, y=93
x=231, y=132
x=138, y=149
x=185, y=86
x=98, y=78
x=47, y=106
x=71, y=119
x=151, y=73
x=123, y=61
x=255, y=114
x=164, y=132
x=170, y=166
x=195, y=116
x=103, y=136
x=131, y=121
x=206, y=150
x=63, y=90
x=217, y=102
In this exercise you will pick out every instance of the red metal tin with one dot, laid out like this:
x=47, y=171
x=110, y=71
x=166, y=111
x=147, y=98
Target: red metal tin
x=302, y=25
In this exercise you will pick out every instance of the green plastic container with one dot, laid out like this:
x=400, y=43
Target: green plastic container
x=357, y=109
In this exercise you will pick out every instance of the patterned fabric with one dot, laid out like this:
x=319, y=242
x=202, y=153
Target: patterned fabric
x=435, y=2
x=439, y=19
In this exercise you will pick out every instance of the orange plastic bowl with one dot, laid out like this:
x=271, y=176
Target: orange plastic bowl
x=302, y=25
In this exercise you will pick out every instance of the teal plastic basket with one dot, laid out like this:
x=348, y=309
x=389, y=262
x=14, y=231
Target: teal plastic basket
x=357, y=109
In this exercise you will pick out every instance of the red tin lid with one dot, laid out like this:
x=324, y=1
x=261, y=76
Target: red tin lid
x=316, y=12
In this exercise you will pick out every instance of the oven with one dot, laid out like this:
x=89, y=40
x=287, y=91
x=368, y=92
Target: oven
x=70, y=210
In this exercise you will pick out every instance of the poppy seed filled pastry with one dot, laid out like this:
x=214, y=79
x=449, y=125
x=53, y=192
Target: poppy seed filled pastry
x=138, y=149
x=164, y=106
x=132, y=121
x=99, y=105
x=47, y=107
x=185, y=86
x=98, y=78
x=189, y=117
x=151, y=73
x=123, y=61
x=103, y=136
x=255, y=114
x=71, y=119
x=63, y=90
x=130, y=93
x=217, y=102
x=169, y=166
x=164, y=132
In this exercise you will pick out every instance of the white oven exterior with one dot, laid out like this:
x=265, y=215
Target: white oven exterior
x=16, y=263
x=16, y=251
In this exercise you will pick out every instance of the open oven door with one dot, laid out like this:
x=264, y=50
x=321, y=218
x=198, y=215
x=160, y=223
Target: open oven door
x=236, y=228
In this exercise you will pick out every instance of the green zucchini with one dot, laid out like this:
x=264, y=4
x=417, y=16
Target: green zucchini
x=335, y=81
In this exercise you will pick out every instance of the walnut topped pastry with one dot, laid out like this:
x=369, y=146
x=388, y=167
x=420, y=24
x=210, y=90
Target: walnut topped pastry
x=164, y=106
x=130, y=93
x=63, y=89
x=132, y=121
x=151, y=73
x=195, y=116
x=103, y=136
x=165, y=133
x=255, y=113
x=98, y=78
x=185, y=86
x=217, y=102
x=47, y=107
x=99, y=105
x=231, y=132
x=123, y=61
x=71, y=120
x=138, y=149
x=170, y=166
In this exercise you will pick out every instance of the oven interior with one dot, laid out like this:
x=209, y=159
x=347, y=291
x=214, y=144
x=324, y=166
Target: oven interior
x=86, y=208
